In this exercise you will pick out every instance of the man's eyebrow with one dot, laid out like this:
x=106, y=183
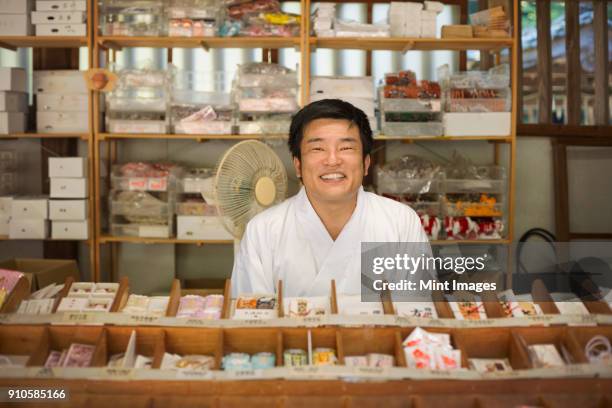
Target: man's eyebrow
x=344, y=139
x=314, y=140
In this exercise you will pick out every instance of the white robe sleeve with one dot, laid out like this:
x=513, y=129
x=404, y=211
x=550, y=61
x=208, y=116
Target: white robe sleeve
x=249, y=274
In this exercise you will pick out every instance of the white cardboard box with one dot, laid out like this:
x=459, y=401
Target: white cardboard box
x=356, y=87
x=13, y=101
x=476, y=124
x=68, y=81
x=15, y=24
x=6, y=206
x=58, y=17
x=68, y=210
x=67, y=167
x=4, y=225
x=62, y=102
x=28, y=229
x=12, y=79
x=73, y=30
x=61, y=5
x=199, y=227
x=70, y=229
x=58, y=122
x=29, y=208
x=15, y=6
x=68, y=188
x=12, y=122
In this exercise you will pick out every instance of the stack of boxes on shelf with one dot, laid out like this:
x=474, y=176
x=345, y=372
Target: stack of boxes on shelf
x=410, y=19
x=68, y=205
x=15, y=17
x=13, y=100
x=60, y=18
x=358, y=91
x=29, y=218
x=138, y=104
x=322, y=23
x=8, y=186
x=62, y=101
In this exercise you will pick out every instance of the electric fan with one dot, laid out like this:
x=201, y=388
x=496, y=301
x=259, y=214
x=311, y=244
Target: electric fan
x=249, y=178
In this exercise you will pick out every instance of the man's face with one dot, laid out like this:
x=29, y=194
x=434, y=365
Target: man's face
x=332, y=165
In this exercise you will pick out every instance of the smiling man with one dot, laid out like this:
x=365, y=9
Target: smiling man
x=315, y=236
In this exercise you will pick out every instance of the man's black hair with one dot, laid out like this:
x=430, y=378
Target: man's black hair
x=329, y=109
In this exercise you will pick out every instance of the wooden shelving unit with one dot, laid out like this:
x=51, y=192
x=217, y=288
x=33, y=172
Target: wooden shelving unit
x=82, y=136
x=118, y=43
x=411, y=44
x=13, y=43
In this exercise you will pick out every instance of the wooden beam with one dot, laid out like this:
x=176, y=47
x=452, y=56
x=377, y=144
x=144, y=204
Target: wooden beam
x=563, y=131
x=602, y=90
x=519, y=63
x=463, y=19
x=544, y=61
x=561, y=192
x=573, y=67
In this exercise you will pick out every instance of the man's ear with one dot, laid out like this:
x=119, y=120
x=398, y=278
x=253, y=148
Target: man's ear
x=366, y=165
x=298, y=167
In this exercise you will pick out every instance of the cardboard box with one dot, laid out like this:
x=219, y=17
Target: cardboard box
x=57, y=17
x=477, y=124
x=43, y=272
x=68, y=167
x=199, y=227
x=62, y=102
x=59, y=122
x=68, y=188
x=60, y=82
x=61, y=5
x=13, y=101
x=15, y=6
x=457, y=31
x=12, y=122
x=68, y=210
x=29, y=208
x=28, y=229
x=12, y=79
x=70, y=229
x=68, y=30
x=15, y=25
x=4, y=225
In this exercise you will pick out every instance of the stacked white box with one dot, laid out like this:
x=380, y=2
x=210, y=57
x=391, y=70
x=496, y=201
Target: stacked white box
x=5, y=214
x=13, y=100
x=323, y=21
x=61, y=101
x=29, y=218
x=15, y=17
x=68, y=208
x=358, y=91
x=408, y=19
x=60, y=17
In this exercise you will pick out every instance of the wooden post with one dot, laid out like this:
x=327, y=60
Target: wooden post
x=485, y=55
x=572, y=66
x=544, y=61
x=602, y=91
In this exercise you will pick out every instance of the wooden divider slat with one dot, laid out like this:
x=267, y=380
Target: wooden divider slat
x=600, y=50
x=573, y=68
x=175, y=298
x=122, y=295
x=20, y=292
x=544, y=61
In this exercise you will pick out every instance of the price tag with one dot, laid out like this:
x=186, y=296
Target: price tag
x=540, y=319
x=313, y=320
x=370, y=370
x=402, y=321
x=242, y=374
x=44, y=372
x=587, y=319
x=78, y=318
x=195, y=322
x=142, y=319
x=194, y=375
x=118, y=373
x=157, y=184
x=137, y=184
x=306, y=370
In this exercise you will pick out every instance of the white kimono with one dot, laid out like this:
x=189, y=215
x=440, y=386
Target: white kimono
x=289, y=242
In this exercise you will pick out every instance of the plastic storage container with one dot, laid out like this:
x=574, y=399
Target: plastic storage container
x=132, y=18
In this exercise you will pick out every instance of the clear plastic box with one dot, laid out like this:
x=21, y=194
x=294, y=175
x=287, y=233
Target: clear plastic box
x=140, y=181
x=141, y=230
x=400, y=129
x=485, y=179
x=136, y=204
x=197, y=181
x=264, y=126
x=196, y=208
x=137, y=100
x=132, y=18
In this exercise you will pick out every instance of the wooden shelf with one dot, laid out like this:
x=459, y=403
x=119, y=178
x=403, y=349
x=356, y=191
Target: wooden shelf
x=83, y=136
x=13, y=43
x=118, y=43
x=6, y=238
x=411, y=44
x=104, y=136
x=499, y=139
x=104, y=239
